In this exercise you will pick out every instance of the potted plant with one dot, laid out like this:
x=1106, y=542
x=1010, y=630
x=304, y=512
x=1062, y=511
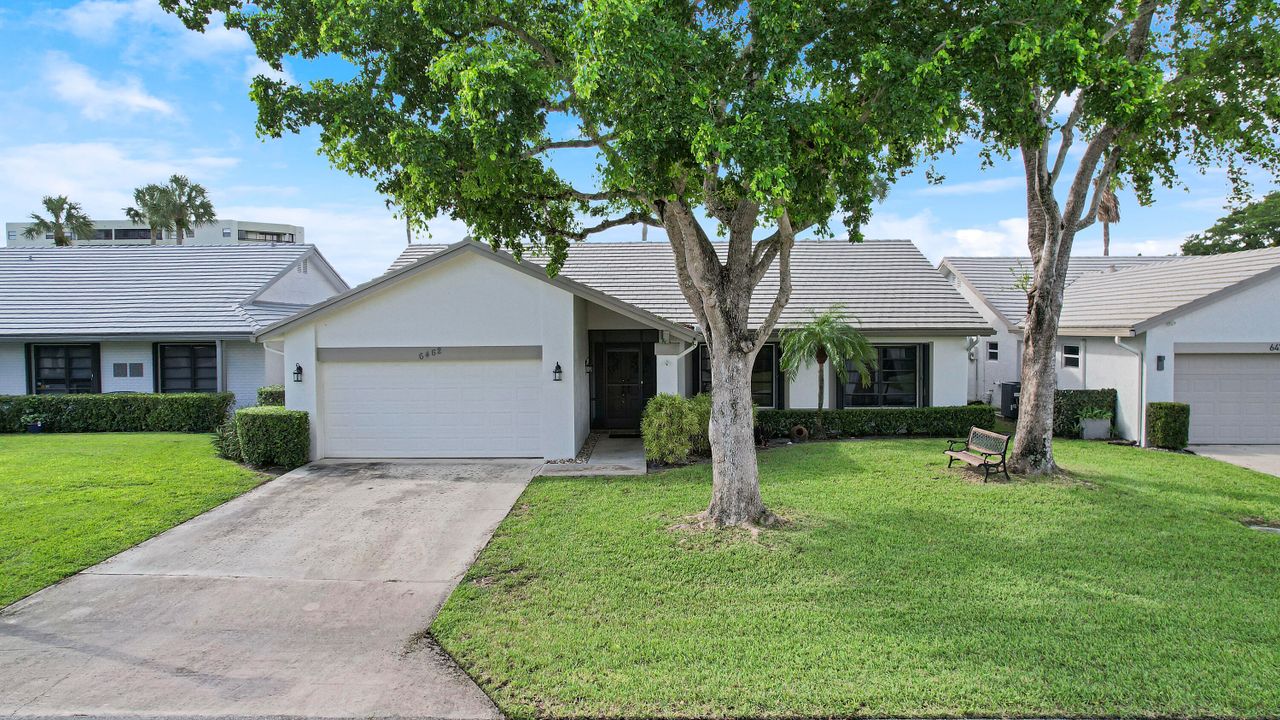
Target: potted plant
x=34, y=422
x=1095, y=423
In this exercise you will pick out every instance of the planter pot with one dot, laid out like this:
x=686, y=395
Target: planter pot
x=1095, y=429
x=35, y=428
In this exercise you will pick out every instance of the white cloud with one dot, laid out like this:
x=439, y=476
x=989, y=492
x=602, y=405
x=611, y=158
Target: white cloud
x=95, y=98
x=1004, y=237
x=976, y=187
x=255, y=66
x=98, y=19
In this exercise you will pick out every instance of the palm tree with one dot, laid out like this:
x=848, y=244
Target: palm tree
x=66, y=220
x=179, y=205
x=151, y=208
x=190, y=206
x=1108, y=212
x=828, y=337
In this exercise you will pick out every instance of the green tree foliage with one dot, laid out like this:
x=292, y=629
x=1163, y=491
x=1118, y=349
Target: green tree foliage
x=704, y=119
x=1254, y=226
x=827, y=336
x=65, y=220
x=179, y=205
x=1090, y=93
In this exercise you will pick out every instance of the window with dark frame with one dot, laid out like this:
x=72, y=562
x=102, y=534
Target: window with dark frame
x=187, y=368
x=126, y=370
x=993, y=351
x=895, y=381
x=764, y=374
x=1071, y=356
x=63, y=369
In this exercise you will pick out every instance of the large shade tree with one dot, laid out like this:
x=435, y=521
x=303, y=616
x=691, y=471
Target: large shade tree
x=1251, y=227
x=750, y=120
x=65, y=220
x=1088, y=93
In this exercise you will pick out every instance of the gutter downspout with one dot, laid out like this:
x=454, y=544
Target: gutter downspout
x=1142, y=390
x=221, y=360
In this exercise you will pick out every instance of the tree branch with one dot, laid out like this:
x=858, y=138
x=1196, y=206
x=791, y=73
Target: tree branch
x=786, y=241
x=631, y=218
x=566, y=144
x=1100, y=183
x=549, y=56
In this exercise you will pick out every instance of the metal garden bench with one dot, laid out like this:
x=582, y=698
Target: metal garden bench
x=983, y=449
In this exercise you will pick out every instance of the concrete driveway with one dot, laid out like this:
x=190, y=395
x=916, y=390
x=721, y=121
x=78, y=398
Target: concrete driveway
x=1263, y=458
x=305, y=597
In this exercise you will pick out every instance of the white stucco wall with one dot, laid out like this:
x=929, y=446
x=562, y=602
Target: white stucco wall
x=466, y=300
x=983, y=377
x=1110, y=366
x=127, y=352
x=13, y=369
x=305, y=283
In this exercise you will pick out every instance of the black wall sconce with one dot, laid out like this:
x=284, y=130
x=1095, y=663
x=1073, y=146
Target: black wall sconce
x=588, y=363
x=557, y=374
x=297, y=373
x=1160, y=363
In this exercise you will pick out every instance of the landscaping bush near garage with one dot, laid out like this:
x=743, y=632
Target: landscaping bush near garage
x=1069, y=404
x=1168, y=425
x=124, y=412
x=944, y=421
x=271, y=395
x=273, y=436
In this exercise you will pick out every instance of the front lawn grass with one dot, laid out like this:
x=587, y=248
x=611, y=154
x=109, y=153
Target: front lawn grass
x=902, y=590
x=70, y=501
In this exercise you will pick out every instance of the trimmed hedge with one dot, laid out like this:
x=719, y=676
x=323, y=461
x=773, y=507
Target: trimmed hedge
x=1168, y=425
x=117, y=412
x=668, y=426
x=272, y=435
x=226, y=442
x=271, y=395
x=945, y=421
x=1068, y=404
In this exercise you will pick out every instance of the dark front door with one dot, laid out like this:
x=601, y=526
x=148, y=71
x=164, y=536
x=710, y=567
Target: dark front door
x=623, y=388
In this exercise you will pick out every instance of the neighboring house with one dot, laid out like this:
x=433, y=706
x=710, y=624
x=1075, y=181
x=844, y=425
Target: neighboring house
x=996, y=287
x=150, y=319
x=124, y=232
x=1198, y=330
x=465, y=352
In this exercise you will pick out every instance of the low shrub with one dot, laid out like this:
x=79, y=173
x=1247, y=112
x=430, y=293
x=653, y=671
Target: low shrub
x=1068, y=404
x=1168, y=424
x=272, y=435
x=945, y=421
x=226, y=442
x=668, y=426
x=271, y=395
x=700, y=405
x=117, y=412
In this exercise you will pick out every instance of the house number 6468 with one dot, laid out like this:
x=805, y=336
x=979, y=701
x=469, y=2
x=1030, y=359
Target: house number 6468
x=425, y=354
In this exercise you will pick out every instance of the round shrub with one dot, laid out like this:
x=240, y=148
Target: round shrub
x=668, y=426
x=271, y=395
x=1168, y=424
x=700, y=406
x=272, y=435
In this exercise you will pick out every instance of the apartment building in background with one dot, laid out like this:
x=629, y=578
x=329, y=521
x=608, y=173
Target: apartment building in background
x=124, y=232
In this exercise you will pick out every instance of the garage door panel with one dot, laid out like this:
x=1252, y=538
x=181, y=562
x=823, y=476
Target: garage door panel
x=1233, y=398
x=432, y=409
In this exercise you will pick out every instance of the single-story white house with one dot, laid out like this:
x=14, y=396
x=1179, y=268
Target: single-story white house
x=1198, y=330
x=151, y=318
x=461, y=351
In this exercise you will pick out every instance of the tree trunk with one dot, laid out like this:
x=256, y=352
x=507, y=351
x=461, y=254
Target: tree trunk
x=735, y=481
x=1106, y=239
x=1033, y=443
x=822, y=390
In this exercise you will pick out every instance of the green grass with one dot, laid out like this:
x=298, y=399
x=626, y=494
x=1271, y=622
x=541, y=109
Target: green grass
x=902, y=589
x=73, y=500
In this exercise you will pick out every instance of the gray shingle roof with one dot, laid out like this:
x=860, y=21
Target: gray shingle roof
x=887, y=284
x=996, y=278
x=149, y=290
x=1136, y=297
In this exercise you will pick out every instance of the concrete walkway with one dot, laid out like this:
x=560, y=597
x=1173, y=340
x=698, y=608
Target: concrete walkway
x=305, y=597
x=614, y=457
x=1263, y=458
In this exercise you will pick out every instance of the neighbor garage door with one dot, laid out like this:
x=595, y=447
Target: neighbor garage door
x=1233, y=398
x=431, y=409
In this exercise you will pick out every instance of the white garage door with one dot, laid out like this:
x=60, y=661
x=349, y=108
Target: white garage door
x=470, y=408
x=1233, y=398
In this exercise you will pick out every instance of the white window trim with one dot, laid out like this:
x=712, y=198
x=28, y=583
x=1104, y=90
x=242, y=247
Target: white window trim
x=993, y=345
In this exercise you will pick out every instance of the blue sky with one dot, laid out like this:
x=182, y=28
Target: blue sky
x=100, y=96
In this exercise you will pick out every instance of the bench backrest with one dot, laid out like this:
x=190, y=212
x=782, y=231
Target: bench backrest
x=987, y=441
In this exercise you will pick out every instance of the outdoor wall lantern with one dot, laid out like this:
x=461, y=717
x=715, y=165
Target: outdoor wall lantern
x=557, y=374
x=297, y=373
x=588, y=362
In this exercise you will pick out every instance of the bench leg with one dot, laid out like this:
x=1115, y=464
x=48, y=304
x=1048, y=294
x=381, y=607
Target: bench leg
x=950, y=460
x=1005, y=467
